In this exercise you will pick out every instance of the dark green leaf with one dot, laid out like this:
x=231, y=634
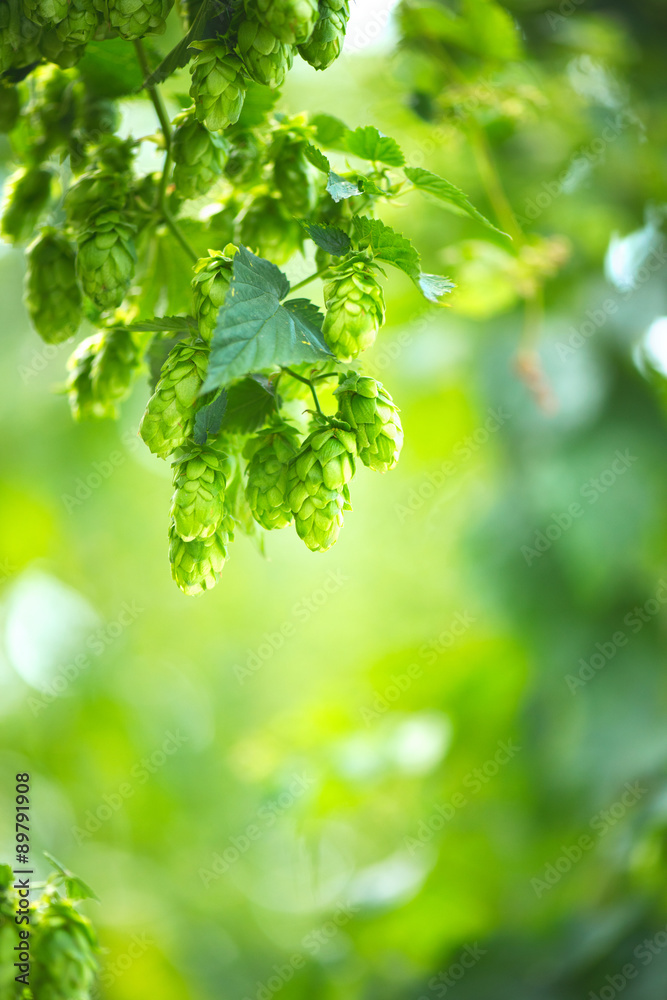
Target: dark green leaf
x=328, y=238
x=317, y=158
x=180, y=55
x=209, y=418
x=330, y=132
x=369, y=144
x=339, y=188
x=165, y=324
x=254, y=331
x=434, y=287
x=307, y=314
x=249, y=403
x=446, y=192
x=110, y=69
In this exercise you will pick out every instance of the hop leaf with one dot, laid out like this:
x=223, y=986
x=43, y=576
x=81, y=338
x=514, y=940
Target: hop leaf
x=372, y=414
x=266, y=487
x=292, y=21
x=218, y=86
x=355, y=310
x=105, y=259
x=326, y=41
x=212, y=279
x=64, y=950
x=199, y=156
x=52, y=293
x=197, y=506
x=136, y=18
x=196, y=565
x=27, y=194
x=170, y=414
x=265, y=57
x=317, y=485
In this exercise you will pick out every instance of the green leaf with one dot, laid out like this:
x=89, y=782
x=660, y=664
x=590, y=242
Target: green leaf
x=317, y=158
x=386, y=244
x=179, y=55
x=446, y=192
x=369, y=144
x=249, y=404
x=328, y=238
x=339, y=188
x=369, y=186
x=254, y=331
x=306, y=312
x=110, y=68
x=209, y=418
x=434, y=286
x=165, y=324
x=330, y=132
x=75, y=888
x=483, y=28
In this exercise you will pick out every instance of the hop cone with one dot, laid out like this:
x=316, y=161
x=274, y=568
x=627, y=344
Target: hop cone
x=210, y=283
x=64, y=52
x=265, y=57
x=54, y=111
x=372, y=414
x=170, y=415
x=355, y=310
x=81, y=24
x=196, y=565
x=292, y=21
x=317, y=484
x=269, y=228
x=101, y=371
x=197, y=506
x=27, y=193
x=326, y=42
x=136, y=18
x=295, y=179
x=106, y=181
x=52, y=293
x=105, y=258
x=45, y=12
x=10, y=107
x=199, y=156
x=64, y=961
x=18, y=37
x=266, y=487
x=218, y=87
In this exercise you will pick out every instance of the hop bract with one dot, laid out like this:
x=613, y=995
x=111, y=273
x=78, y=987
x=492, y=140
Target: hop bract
x=218, y=86
x=196, y=565
x=212, y=278
x=170, y=414
x=317, y=484
x=326, y=42
x=266, y=489
x=81, y=24
x=52, y=293
x=197, y=506
x=46, y=12
x=265, y=57
x=64, y=949
x=373, y=416
x=136, y=18
x=27, y=194
x=292, y=21
x=199, y=156
x=106, y=258
x=355, y=310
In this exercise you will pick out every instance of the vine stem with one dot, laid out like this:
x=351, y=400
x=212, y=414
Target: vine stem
x=306, y=281
x=308, y=382
x=154, y=93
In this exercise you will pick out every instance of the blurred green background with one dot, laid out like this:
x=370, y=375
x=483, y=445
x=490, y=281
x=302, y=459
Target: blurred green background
x=433, y=759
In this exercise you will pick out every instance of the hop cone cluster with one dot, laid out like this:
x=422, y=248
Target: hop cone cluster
x=199, y=156
x=355, y=310
x=135, y=18
x=105, y=258
x=64, y=953
x=372, y=414
x=266, y=486
x=295, y=178
x=292, y=21
x=27, y=194
x=266, y=59
x=52, y=293
x=197, y=506
x=317, y=484
x=209, y=285
x=170, y=414
x=326, y=42
x=218, y=86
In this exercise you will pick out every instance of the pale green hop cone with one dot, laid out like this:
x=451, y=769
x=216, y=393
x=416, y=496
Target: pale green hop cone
x=265, y=57
x=81, y=24
x=196, y=566
x=106, y=258
x=209, y=286
x=266, y=487
x=52, y=293
x=317, y=486
x=198, y=503
x=370, y=411
x=199, y=156
x=26, y=195
x=45, y=12
x=136, y=18
x=170, y=414
x=64, y=953
x=292, y=21
x=326, y=42
x=355, y=310
x=218, y=86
